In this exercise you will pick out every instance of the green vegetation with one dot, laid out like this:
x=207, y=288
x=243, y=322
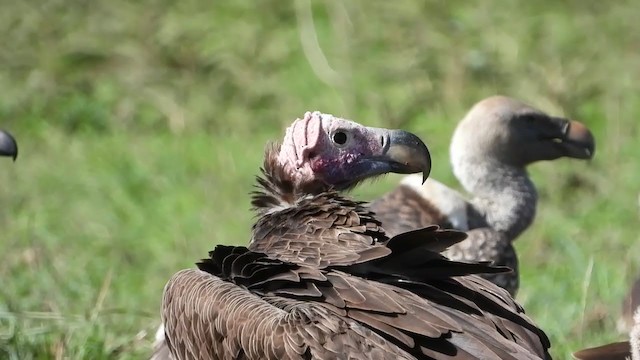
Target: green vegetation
x=142, y=124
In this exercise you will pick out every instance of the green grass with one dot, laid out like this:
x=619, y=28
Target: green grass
x=141, y=126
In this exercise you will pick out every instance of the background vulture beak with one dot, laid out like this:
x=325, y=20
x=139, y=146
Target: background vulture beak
x=578, y=141
x=8, y=145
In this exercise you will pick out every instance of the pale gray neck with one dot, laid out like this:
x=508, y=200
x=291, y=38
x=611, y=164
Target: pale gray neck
x=502, y=193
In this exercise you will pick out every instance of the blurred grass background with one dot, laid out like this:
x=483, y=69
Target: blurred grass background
x=142, y=124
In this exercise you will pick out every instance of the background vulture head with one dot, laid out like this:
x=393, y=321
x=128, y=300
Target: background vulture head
x=515, y=133
x=338, y=153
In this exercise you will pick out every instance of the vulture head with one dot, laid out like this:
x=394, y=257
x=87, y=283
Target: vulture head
x=8, y=145
x=517, y=134
x=323, y=152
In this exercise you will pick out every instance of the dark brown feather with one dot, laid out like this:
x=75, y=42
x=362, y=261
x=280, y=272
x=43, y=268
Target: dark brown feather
x=414, y=324
x=614, y=351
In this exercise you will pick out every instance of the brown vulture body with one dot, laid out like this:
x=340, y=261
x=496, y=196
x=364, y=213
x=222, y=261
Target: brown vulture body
x=490, y=150
x=322, y=280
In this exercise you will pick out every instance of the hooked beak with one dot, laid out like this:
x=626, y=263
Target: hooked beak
x=577, y=140
x=403, y=153
x=8, y=145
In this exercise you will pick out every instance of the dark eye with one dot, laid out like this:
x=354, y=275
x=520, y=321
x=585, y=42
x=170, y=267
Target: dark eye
x=340, y=137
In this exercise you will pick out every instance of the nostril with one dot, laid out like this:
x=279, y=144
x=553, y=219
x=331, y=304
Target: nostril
x=382, y=141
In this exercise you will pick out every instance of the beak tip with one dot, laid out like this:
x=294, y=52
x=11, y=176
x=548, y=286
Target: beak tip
x=581, y=137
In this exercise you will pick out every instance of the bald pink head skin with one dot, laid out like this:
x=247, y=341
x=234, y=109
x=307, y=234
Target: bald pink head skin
x=339, y=153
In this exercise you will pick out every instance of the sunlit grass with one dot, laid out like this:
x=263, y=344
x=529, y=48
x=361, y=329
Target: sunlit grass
x=141, y=127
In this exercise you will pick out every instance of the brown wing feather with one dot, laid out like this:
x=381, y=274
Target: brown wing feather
x=411, y=321
x=209, y=318
x=486, y=244
x=614, y=351
x=435, y=317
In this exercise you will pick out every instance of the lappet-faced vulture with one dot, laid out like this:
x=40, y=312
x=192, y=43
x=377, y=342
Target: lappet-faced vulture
x=322, y=280
x=490, y=150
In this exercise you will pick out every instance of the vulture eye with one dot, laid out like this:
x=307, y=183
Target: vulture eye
x=339, y=137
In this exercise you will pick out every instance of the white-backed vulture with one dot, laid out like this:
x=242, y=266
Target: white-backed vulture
x=322, y=280
x=490, y=150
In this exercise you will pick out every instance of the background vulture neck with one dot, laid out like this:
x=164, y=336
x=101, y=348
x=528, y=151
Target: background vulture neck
x=502, y=193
